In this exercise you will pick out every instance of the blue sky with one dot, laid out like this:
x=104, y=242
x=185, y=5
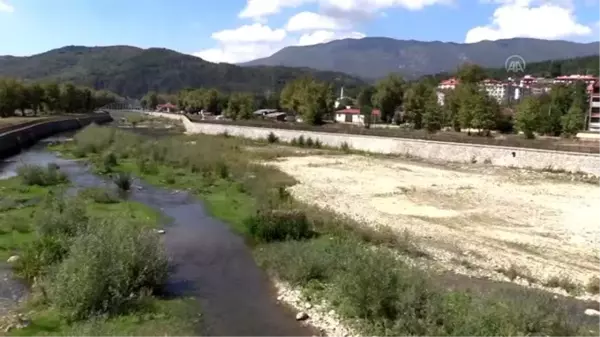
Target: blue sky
x=241, y=30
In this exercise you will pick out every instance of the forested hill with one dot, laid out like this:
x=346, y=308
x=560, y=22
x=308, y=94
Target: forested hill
x=131, y=71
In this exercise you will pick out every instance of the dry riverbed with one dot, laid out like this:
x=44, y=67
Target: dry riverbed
x=475, y=220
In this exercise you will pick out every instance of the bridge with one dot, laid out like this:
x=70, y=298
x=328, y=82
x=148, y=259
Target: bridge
x=127, y=105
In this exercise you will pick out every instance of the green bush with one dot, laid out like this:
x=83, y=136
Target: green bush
x=277, y=225
x=61, y=217
x=309, y=142
x=93, y=139
x=41, y=176
x=39, y=256
x=301, y=141
x=100, y=195
x=272, y=138
x=123, y=181
x=345, y=147
x=109, y=162
x=386, y=297
x=108, y=270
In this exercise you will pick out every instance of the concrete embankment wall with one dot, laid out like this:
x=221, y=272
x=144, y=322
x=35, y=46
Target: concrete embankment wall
x=13, y=141
x=432, y=150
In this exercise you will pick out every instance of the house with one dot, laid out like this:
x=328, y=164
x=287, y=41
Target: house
x=352, y=115
x=277, y=116
x=167, y=107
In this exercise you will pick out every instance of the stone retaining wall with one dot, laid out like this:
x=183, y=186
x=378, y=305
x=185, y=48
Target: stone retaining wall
x=13, y=141
x=432, y=150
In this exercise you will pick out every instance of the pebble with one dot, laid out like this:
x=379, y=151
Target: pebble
x=13, y=259
x=301, y=316
x=308, y=306
x=160, y=231
x=592, y=312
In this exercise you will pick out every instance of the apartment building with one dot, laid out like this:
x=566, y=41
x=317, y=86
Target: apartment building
x=594, y=109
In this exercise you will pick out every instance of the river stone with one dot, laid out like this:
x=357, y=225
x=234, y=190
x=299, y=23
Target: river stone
x=592, y=312
x=301, y=316
x=13, y=259
x=160, y=231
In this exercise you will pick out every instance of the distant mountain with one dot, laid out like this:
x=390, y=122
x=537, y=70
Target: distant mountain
x=375, y=57
x=131, y=71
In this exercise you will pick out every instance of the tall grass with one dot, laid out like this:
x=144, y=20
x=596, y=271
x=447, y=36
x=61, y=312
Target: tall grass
x=41, y=176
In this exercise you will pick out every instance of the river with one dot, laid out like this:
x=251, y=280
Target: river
x=209, y=261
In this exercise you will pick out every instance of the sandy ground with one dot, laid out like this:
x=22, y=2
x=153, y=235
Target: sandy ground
x=481, y=217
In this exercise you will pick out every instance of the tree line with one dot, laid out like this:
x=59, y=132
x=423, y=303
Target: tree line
x=468, y=106
x=25, y=98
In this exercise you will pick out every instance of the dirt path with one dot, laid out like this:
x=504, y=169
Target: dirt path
x=481, y=220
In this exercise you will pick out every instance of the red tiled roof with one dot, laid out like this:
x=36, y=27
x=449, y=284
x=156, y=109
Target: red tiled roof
x=376, y=112
x=451, y=81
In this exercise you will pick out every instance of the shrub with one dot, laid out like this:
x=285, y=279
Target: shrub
x=39, y=256
x=38, y=175
x=268, y=226
x=345, y=147
x=318, y=144
x=301, y=141
x=593, y=285
x=309, y=142
x=294, y=142
x=272, y=138
x=109, y=161
x=563, y=282
x=93, y=139
x=108, y=270
x=123, y=181
x=61, y=217
x=100, y=195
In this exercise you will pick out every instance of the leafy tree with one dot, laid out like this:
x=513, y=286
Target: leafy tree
x=52, y=97
x=451, y=110
x=528, y=116
x=365, y=97
x=573, y=121
x=150, y=100
x=70, y=100
x=389, y=96
x=415, y=99
x=36, y=97
x=23, y=99
x=367, y=112
x=470, y=74
x=432, y=116
x=8, y=97
x=346, y=101
x=240, y=106
x=486, y=113
x=210, y=100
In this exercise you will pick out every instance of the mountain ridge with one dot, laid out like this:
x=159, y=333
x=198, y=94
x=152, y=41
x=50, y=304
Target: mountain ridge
x=375, y=57
x=133, y=71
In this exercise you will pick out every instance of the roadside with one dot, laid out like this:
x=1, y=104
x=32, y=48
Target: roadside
x=357, y=271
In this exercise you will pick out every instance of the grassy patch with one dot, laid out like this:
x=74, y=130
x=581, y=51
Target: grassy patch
x=158, y=318
x=93, y=260
x=355, y=268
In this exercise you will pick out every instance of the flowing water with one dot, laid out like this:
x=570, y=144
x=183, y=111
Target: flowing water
x=209, y=262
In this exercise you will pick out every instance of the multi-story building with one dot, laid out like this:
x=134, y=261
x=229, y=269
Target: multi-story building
x=495, y=89
x=594, y=109
x=588, y=79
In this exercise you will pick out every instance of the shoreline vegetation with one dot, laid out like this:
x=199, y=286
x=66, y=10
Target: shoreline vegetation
x=357, y=271
x=92, y=261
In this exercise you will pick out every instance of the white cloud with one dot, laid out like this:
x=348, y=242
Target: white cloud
x=256, y=32
x=313, y=21
x=323, y=36
x=238, y=52
x=6, y=7
x=349, y=9
x=260, y=8
x=522, y=19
